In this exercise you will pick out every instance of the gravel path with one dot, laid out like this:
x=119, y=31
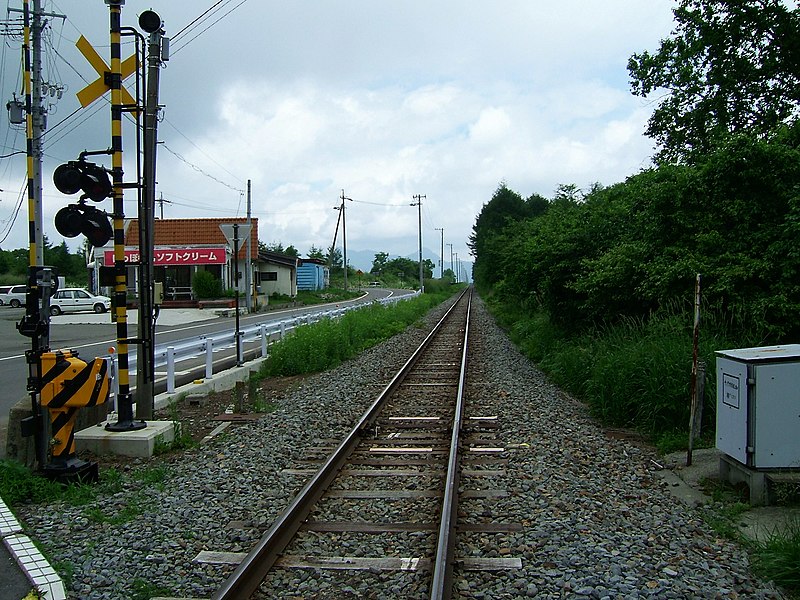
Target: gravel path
x=598, y=523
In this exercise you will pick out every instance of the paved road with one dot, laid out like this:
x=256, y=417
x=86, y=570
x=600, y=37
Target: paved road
x=92, y=335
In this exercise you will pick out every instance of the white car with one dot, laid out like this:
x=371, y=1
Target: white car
x=73, y=299
x=13, y=295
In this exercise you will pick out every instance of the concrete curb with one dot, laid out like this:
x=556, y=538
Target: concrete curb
x=35, y=566
x=218, y=383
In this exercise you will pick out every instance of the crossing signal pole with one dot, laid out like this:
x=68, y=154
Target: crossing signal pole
x=151, y=23
x=125, y=421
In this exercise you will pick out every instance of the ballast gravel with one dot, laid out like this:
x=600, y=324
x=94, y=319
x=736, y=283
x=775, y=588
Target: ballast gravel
x=597, y=521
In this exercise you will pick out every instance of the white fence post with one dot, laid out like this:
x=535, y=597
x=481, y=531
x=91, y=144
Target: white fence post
x=263, y=340
x=209, y=358
x=112, y=373
x=170, y=369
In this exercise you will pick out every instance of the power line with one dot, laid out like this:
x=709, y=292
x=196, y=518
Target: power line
x=198, y=18
x=199, y=170
x=178, y=49
x=16, y=211
x=379, y=203
x=203, y=152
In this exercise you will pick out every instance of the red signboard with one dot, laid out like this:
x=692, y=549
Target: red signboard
x=174, y=256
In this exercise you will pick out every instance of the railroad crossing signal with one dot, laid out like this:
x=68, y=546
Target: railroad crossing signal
x=101, y=85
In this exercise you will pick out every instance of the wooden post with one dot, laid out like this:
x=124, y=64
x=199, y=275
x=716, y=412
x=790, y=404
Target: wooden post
x=694, y=425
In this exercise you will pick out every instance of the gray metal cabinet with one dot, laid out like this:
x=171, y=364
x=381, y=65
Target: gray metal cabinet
x=758, y=406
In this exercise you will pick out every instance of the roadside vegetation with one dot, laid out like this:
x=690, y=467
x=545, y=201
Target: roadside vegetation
x=327, y=343
x=597, y=285
x=70, y=265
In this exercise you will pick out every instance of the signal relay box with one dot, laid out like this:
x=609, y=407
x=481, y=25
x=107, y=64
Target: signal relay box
x=758, y=406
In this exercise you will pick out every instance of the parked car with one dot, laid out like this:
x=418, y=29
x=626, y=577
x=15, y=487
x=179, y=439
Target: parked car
x=13, y=295
x=74, y=299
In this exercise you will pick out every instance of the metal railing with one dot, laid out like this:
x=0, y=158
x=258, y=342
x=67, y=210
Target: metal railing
x=168, y=355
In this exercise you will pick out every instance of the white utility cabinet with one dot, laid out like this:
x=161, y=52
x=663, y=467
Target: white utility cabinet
x=758, y=406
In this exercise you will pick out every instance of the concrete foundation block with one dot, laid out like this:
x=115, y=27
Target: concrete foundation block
x=139, y=443
x=21, y=449
x=196, y=399
x=733, y=471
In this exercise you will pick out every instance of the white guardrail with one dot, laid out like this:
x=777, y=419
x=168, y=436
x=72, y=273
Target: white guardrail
x=167, y=356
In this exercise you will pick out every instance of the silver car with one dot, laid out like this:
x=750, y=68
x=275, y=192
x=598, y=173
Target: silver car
x=74, y=299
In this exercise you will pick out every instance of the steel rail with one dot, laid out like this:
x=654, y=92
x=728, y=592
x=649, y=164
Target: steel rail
x=442, y=581
x=246, y=578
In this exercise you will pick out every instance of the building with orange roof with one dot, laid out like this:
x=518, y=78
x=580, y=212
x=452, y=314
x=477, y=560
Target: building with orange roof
x=183, y=247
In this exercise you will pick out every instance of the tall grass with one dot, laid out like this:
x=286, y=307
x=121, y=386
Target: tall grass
x=327, y=343
x=778, y=556
x=635, y=373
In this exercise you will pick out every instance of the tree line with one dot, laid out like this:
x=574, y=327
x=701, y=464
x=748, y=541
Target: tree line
x=722, y=198
x=597, y=286
x=70, y=265
x=399, y=270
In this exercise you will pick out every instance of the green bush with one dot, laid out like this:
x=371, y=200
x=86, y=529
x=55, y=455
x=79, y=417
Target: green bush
x=635, y=373
x=325, y=344
x=205, y=285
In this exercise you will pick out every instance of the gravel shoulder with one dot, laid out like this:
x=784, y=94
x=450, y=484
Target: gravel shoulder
x=598, y=519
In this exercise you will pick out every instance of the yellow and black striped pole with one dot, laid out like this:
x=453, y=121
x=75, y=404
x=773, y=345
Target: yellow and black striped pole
x=33, y=249
x=125, y=420
x=39, y=336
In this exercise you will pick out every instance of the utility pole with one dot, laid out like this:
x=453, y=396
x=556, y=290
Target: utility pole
x=161, y=202
x=37, y=113
x=418, y=204
x=341, y=208
x=145, y=364
x=451, y=258
x=36, y=322
x=248, y=257
x=441, y=254
x=458, y=278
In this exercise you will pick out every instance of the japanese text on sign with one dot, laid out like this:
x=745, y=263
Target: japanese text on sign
x=174, y=256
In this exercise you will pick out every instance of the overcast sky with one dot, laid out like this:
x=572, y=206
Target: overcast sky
x=383, y=99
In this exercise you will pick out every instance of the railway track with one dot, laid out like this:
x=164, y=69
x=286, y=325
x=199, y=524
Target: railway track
x=390, y=500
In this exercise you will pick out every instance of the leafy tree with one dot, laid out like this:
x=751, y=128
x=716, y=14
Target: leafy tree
x=59, y=257
x=315, y=252
x=427, y=268
x=404, y=268
x=485, y=243
x=335, y=258
x=731, y=66
x=634, y=248
x=379, y=262
x=291, y=251
x=18, y=262
x=272, y=247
